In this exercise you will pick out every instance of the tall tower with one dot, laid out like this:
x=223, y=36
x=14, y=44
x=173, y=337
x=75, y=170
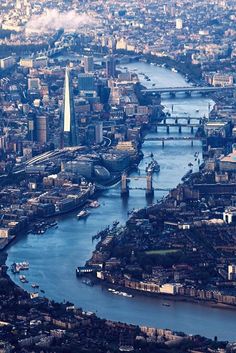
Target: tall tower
x=69, y=124
x=18, y=4
x=88, y=64
x=42, y=129
x=110, y=66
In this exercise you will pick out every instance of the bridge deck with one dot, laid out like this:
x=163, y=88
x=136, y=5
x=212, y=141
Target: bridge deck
x=171, y=138
x=178, y=125
x=186, y=89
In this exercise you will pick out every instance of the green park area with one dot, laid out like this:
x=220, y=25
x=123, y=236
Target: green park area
x=161, y=252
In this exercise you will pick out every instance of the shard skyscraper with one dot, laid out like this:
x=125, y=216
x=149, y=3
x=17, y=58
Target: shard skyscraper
x=69, y=123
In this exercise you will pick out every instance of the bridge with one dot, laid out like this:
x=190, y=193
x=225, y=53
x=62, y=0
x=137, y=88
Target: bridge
x=125, y=187
x=178, y=125
x=187, y=118
x=187, y=90
x=172, y=138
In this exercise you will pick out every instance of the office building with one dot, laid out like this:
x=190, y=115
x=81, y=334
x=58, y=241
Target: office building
x=42, y=129
x=88, y=64
x=179, y=23
x=8, y=62
x=232, y=272
x=69, y=124
x=18, y=4
x=99, y=132
x=86, y=82
x=110, y=66
x=34, y=84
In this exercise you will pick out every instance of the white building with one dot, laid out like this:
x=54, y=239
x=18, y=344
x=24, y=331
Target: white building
x=8, y=62
x=229, y=215
x=232, y=272
x=179, y=23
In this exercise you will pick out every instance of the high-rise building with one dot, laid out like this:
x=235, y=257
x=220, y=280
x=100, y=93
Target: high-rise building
x=94, y=133
x=18, y=4
x=69, y=123
x=6, y=63
x=42, y=129
x=179, y=23
x=99, y=132
x=110, y=66
x=34, y=84
x=232, y=272
x=88, y=64
x=86, y=82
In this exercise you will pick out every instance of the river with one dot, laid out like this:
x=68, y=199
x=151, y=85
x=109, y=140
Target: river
x=54, y=256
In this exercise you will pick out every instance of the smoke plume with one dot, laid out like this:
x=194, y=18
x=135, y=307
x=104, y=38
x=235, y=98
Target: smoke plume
x=53, y=20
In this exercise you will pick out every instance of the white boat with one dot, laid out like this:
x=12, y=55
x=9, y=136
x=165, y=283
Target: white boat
x=82, y=214
x=34, y=285
x=23, y=279
x=34, y=295
x=94, y=204
x=127, y=295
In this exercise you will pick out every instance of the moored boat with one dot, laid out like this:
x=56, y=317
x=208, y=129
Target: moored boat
x=82, y=214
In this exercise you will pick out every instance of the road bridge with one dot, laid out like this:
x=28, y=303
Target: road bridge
x=178, y=125
x=172, y=138
x=187, y=90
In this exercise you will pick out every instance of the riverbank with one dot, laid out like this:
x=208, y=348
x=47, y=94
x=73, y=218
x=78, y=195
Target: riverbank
x=134, y=269
x=64, y=325
x=54, y=256
x=162, y=297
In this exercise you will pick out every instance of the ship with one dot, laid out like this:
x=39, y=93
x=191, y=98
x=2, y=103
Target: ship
x=16, y=267
x=23, y=279
x=34, y=295
x=82, y=214
x=153, y=167
x=34, y=285
x=94, y=204
x=123, y=294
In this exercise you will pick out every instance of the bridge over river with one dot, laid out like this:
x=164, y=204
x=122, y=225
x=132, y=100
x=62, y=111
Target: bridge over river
x=187, y=90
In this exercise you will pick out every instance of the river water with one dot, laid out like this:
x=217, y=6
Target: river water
x=54, y=256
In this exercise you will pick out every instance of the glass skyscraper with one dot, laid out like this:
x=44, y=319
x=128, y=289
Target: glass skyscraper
x=69, y=123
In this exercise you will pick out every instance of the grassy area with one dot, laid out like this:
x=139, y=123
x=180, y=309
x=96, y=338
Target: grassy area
x=161, y=252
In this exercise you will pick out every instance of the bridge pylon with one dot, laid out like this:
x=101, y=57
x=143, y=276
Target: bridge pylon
x=124, y=185
x=149, y=188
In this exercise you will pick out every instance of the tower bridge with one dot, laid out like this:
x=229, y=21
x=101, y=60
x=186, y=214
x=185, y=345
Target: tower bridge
x=125, y=187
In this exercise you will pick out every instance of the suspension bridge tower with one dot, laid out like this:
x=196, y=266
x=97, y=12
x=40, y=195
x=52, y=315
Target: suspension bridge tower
x=124, y=185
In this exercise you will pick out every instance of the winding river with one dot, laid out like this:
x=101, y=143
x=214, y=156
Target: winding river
x=54, y=256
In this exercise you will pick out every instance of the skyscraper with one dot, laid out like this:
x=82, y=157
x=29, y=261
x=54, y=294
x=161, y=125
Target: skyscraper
x=69, y=124
x=179, y=23
x=88, y=64
x=18, y=4
x=42, y=129
x=110, y=66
